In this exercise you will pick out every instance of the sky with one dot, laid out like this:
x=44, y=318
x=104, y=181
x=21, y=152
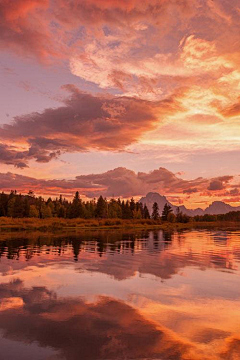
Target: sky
x=121, y=97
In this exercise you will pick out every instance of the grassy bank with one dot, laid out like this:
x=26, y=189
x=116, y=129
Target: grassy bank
x=54, y=224
x=57, y=224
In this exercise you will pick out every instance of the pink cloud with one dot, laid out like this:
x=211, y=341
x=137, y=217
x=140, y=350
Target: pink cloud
x=19, y=30
x=84, y=122
x=122, y=182
x=182, y=85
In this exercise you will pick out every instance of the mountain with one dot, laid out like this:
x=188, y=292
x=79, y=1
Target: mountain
x=151, y=198
x=217, y=207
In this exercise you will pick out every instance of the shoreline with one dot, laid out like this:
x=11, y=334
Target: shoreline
x=58, y=224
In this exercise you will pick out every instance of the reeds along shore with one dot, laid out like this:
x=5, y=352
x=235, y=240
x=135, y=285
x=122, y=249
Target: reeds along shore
x=57, y=224
x=7, y=223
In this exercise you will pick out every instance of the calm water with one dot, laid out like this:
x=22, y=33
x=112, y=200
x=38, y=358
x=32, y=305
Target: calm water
x=113, y=295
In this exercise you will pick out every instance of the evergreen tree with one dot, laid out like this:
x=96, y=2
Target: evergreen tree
x=179, y=215
x=61, y=211
x=101, y=208
x=10, y=206
x=155, y=211
x=126, y=211
x=26, y=207
x=17, y=205
x=114, y=209
x=146, y=214
x=3, y=204
x=166, y=211
x=132, y=207
x=76, y=208
x=171, y=217
x=18, y=208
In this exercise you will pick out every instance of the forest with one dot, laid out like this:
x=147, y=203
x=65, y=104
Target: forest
x=16, y=205
x=19, y=206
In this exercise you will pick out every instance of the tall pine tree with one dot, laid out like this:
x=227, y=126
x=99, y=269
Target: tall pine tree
x=155, y=211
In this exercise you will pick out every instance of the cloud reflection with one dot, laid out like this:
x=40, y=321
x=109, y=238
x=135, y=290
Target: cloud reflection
x=73, y=325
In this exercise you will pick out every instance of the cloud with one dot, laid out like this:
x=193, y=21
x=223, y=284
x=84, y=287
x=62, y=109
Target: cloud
x=219, y=183
x=60, y=22
x=117, y=182
x=119, y=13
x=190, y=191
x=234, y=192
x=172, y=88
x=85, y=122
x=19, y=30
x=216, y=185
x=232, y=111
x=124, y=183
x=10, y=156
x=232, y=348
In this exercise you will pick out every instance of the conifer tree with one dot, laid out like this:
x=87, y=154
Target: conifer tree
x=166, y=211
x=146, y=214
x=101, y=208
x=76, y=208
x=132, y=207
x=155, y=211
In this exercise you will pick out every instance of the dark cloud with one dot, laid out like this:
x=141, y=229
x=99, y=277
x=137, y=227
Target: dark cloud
x=234, y=192
x=85, y=122
x=10, y=155
x=219, y=183
x=216, y=185
x=190, y=191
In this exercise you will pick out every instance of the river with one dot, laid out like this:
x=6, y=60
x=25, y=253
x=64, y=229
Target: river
x=120, y=295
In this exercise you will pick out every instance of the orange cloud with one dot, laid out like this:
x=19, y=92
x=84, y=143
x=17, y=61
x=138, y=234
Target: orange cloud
x=174, y=88
x=84, y=122
x=121, y=327
x=122, y=182
x=20, y=29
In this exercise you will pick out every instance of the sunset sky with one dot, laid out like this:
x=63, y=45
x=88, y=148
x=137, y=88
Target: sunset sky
x=121, y=97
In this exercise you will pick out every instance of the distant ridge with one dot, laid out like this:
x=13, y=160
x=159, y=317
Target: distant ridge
x=217, y=207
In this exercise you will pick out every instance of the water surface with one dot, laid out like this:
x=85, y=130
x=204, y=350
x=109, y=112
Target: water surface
x=114, y=295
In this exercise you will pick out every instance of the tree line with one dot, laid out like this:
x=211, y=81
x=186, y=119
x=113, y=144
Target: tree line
x=24, y=206
x=230, y=216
